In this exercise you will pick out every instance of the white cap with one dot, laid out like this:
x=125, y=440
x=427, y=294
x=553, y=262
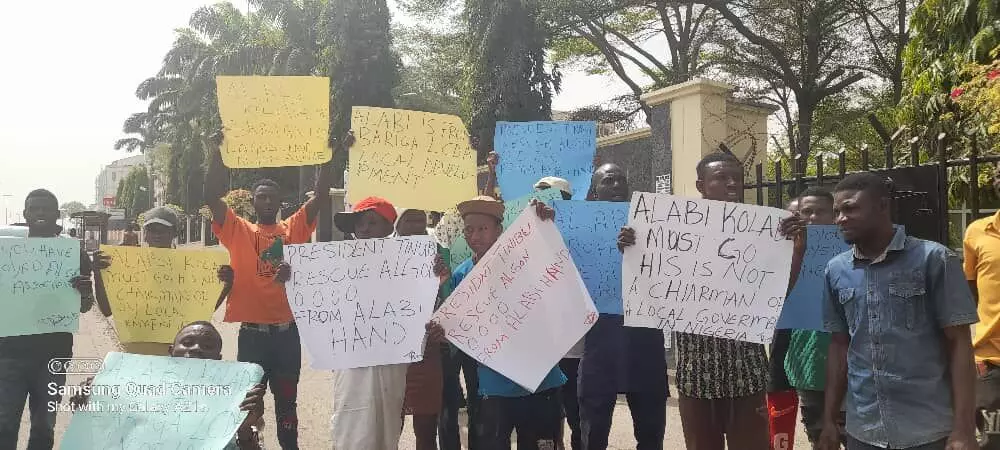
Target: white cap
x=554, y=182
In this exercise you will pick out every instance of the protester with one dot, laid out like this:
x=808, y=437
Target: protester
x=130, y=238
x=721, y=382
x=805, y=360
x=24, y=360
x=201, y=340
x=424, y=383
x=504, y=406
x=159, y=230
x=621, y=360
x=899, y=311
x=782, y=400
x=982, y=270
x=570, y=364
x=268, y=335
x=367, y=401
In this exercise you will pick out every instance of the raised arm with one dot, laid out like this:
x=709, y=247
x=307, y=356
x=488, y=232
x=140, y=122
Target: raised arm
x=324, y=178
x=491, y=177
x=216, y=181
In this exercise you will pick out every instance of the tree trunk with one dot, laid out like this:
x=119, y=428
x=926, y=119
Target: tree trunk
x=807, y=109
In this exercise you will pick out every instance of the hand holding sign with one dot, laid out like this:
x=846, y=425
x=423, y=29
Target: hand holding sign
x=704, y=267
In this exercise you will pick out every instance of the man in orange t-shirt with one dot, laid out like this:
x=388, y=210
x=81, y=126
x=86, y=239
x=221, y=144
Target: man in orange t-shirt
x=268, y=335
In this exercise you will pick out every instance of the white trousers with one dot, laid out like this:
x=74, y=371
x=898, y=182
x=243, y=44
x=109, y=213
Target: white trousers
x=367, y=407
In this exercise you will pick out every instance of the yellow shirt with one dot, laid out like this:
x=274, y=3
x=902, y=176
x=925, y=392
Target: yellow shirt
x=982, y=265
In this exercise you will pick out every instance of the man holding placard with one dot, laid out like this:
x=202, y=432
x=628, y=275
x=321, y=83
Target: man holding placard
x=505, y=406
x=721, y=381
x=159, y=230
x=367, y=401
x=26, y=357
x=618, y=359
x=268, y=335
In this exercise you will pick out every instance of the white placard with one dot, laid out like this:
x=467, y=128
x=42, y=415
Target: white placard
x=362, y=303
x=523, y=306
x=705, y=267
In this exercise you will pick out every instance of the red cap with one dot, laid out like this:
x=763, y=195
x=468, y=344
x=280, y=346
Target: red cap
x=345, y=221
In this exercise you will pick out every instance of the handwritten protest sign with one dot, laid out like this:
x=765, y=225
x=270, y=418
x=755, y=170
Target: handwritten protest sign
x=590, y=231
x=274, y=121
x=804, y=306
x=35, y=292
x=532, y=150
x=705, y=267
x=414, y=159
x=459, y=250
x=363, y=303
x=161, y=402
x=523, y=306
x=155, y=291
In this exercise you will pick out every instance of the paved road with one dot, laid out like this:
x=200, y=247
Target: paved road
x=97, y=337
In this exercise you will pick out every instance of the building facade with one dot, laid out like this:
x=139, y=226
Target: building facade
x=106, y=184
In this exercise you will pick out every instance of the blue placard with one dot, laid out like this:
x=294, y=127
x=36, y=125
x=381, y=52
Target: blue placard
x=803, y=307
x=530, y=151
x=590, y=230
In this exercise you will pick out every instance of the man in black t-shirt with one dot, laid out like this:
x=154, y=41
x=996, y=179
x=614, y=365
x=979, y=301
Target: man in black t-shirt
x=24, y=360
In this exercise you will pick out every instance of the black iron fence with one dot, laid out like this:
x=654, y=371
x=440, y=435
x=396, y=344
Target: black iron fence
x=921, y=172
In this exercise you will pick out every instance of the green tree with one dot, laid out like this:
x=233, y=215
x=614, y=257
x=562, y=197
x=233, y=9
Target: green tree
x=507, y=78
x=364, y=65
x=797, y=51
x=134, y=192
x=433, y=69
x=70, y=208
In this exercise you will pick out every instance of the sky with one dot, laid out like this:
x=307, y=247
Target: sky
x=69, y=79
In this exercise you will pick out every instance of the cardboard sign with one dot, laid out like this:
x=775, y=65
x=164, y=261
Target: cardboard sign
x=161, y=402
x=274, y=121
x=705, y=267
x=363, y=303
x=155, y=291
x=530, y=151
x=590, y=231
x=414, y=159
x=36, y=296
x=804, y=307
x=523, y=306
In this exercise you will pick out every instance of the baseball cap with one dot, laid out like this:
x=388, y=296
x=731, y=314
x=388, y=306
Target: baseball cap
x=484, y=205
x=345, y=221
x=161, y=215
x=554, y=182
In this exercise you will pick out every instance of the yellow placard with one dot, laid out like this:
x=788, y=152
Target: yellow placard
x=155, y=291
x=413, y=159
x=274, y=121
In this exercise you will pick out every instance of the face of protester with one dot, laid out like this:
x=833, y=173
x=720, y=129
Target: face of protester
x=197, y=341
x=610, y=184
x=412, y=223
x=816, y=210
x=793, y=206
x=266, y=202
x=159, y=235
x=859, y=214
x=41, y=213
x=722, y=181
x=371, y=225
x=481, y=232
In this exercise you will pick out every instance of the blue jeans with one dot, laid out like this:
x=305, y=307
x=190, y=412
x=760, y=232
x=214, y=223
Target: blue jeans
x=449, y=430
x=28, y=378
x=279, y=353
x=854, y=444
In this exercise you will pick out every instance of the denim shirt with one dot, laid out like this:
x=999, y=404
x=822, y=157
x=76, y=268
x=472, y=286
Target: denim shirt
x=895, y=308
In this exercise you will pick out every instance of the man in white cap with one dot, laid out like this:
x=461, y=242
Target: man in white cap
x=555, y=183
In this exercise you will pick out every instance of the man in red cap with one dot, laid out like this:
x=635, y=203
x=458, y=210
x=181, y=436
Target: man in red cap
x=367, y=400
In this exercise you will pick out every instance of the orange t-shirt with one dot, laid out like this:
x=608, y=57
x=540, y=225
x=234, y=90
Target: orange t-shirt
x=256, y=297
